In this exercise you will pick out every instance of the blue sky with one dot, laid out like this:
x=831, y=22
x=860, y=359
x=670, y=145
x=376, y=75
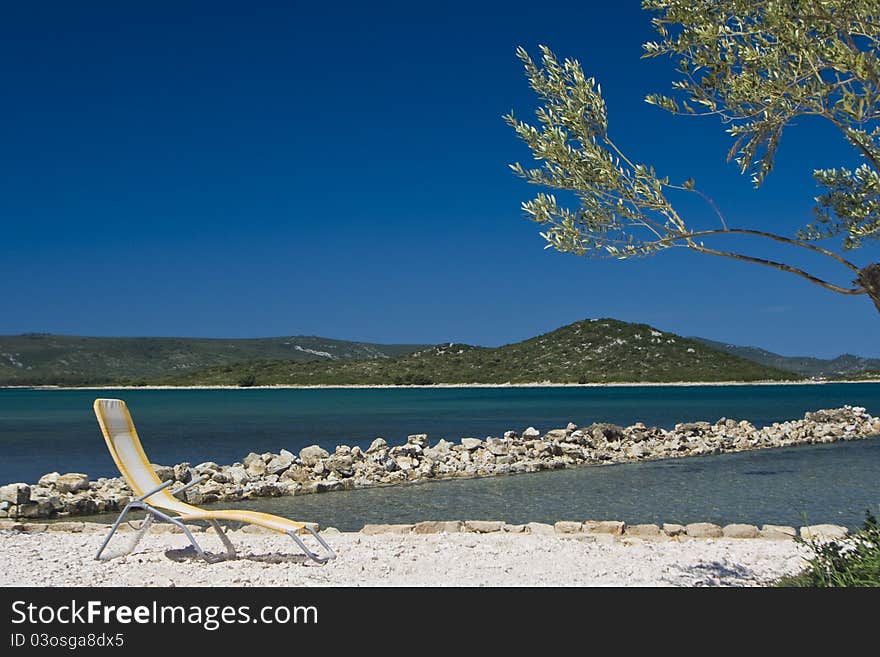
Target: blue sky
x=212, y=169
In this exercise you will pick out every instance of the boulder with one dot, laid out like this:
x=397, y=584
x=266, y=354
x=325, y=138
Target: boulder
x=483, y=526
x=73, y=482
x=376, y=445
x=164, y=472
x=183, y=473
x=568, y=527
x=540, y=528
x=643, y=531
x=312, y=454
x=823, y=532
x=256, y=468
x=249, y=459
x=737, y=530
x=438, y=527
x=778, y=532
x=419, y=439
x=237, y=475
x=704, y=530
x=288, y=455
x=614, y=527
x=371, y=530
x=671, y=529
x=471, y=444
x=49, y=479
x=278, y=464
x=19, y=493
x=531, y=434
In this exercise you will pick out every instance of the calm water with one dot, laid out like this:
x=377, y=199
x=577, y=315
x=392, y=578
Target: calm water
x=42, y=430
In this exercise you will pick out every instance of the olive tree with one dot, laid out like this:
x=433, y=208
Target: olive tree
x=756, y=64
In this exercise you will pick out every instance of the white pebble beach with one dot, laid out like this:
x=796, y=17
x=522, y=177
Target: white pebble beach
x=464, y=559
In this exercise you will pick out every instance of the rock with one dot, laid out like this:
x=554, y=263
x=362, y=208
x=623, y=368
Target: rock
x=540, y=528
x=183, y=473
x=256, y=468
x=296, y=473
x=418, y=439
x=376, y=445
x=613, y=527
x=778, y=532
x=28, y=510
x=510, y=435
x=531, y=434
x=471, y=444
x=249, y=459
x=736, y=530
x=497, y=447
x=823, y=532
x=483, y=526
x=48, y=479
x=73, y=527
x=704, y=530
x=278, y=464
x=237, y=475
x=290, y=455
x=514, y=529
x=437, y=527
x=19, y=493
x=609, y=432
x=643, y=531
x=371, y=530
x=312, y=454
x=164, y=472
x=72, y=482
x=568, y=527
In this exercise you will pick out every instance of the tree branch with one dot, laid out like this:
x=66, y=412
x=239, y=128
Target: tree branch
x=780, y=266
x=778, y=238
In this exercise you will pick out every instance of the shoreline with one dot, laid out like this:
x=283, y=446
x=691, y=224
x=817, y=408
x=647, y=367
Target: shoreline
x=442, y=386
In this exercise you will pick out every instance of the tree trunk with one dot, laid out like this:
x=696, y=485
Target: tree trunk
x=869, y=278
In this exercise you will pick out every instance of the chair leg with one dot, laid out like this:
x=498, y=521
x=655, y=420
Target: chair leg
x=128, y=507
x=230, y=548
x=311, y=555
x=186, y=531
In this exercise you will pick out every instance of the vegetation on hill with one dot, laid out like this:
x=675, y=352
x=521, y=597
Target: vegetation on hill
x=38, y=359
x=846, y=365
x=590, y=351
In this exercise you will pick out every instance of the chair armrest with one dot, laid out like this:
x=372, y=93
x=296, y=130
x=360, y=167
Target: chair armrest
x=192, y=483
x=162, y=486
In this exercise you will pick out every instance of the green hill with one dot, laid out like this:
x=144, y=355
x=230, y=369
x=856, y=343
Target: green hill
x=604, y=350
x=846, y=365
x=35, y=359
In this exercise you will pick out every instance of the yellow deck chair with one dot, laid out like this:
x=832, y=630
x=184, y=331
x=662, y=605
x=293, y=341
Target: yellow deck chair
x=151, y=495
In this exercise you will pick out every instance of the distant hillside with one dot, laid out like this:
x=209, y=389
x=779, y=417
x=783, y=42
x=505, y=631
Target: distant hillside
x=603, y=350
x=34, y=359
x=842, y=366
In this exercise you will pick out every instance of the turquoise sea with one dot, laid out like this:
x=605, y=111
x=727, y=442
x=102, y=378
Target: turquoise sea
x=45, y=430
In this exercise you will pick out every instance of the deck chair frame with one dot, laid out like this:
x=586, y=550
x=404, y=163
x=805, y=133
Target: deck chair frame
x=155, y=512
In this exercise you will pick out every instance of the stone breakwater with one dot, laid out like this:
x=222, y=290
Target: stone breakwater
x=315, y=470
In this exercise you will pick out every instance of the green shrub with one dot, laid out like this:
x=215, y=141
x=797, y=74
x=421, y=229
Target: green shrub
x=247, y=380
x=849, y=563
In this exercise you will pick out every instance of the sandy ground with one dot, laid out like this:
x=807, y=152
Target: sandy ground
x=61, y=558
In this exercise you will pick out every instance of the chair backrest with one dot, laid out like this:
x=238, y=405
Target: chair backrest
x=125, y=448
